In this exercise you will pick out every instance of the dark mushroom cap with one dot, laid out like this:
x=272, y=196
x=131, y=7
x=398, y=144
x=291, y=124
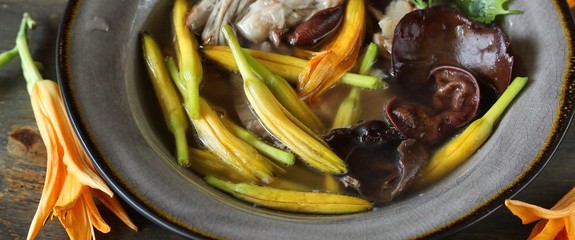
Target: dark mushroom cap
x=448, y=100
x=439, y=36
x=380, y=162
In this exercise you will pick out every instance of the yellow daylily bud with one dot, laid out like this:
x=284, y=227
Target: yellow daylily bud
x=292, y=201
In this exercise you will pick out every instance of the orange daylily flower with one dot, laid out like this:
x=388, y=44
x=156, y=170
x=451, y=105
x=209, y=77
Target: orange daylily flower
x=555, y=223
x=338, y=56
x=72, y=181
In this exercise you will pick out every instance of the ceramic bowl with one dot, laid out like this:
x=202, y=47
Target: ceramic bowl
x=101, y=72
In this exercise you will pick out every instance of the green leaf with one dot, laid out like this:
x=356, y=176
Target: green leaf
x=484, y=11
x=419, y=3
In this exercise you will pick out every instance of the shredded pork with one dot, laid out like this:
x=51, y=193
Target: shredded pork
x=388, y=21
x=255, y=20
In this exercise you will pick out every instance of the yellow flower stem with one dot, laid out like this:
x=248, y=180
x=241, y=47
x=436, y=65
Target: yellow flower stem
x=167, y=95
x=250, y=76
x=285, y=66
x=191, y=71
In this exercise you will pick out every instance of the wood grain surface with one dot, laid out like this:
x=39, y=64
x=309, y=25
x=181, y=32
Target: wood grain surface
x=22, y=153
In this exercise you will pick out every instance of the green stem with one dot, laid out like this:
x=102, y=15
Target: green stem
x=284, y=157
x=221, y=184
x=501, y=104
x=181, y=145
x=349, y=109
x=175, y=74
x=7, y=56
x=358, y=80
x=31, y=73
x=181, y=86
x=259, y=69
x=368, y=59
x=243, y=64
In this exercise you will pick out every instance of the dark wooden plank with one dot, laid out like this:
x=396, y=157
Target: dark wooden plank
x=22, y=161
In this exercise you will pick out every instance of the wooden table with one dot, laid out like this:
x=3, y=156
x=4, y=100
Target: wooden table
x=22, y=155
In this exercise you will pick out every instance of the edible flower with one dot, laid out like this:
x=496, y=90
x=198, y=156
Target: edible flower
x=239, y=156
x=167, y=96
x=205, y=163
x=287, y=96
x=279, y=121
x=338, y=56
x=286, y=66
x=291, y=200
x=190, y=66
x=72, y=181
x=285, y=157
x=554, y=223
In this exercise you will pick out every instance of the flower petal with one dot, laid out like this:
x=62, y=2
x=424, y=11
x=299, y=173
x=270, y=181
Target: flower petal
x=71, y=191
x=94, y=216
x=47, y=94
x=570, y=227
x=547, y=229
x=529, y=212
x=114, y=206
x=76, y=221
x=55, y=170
